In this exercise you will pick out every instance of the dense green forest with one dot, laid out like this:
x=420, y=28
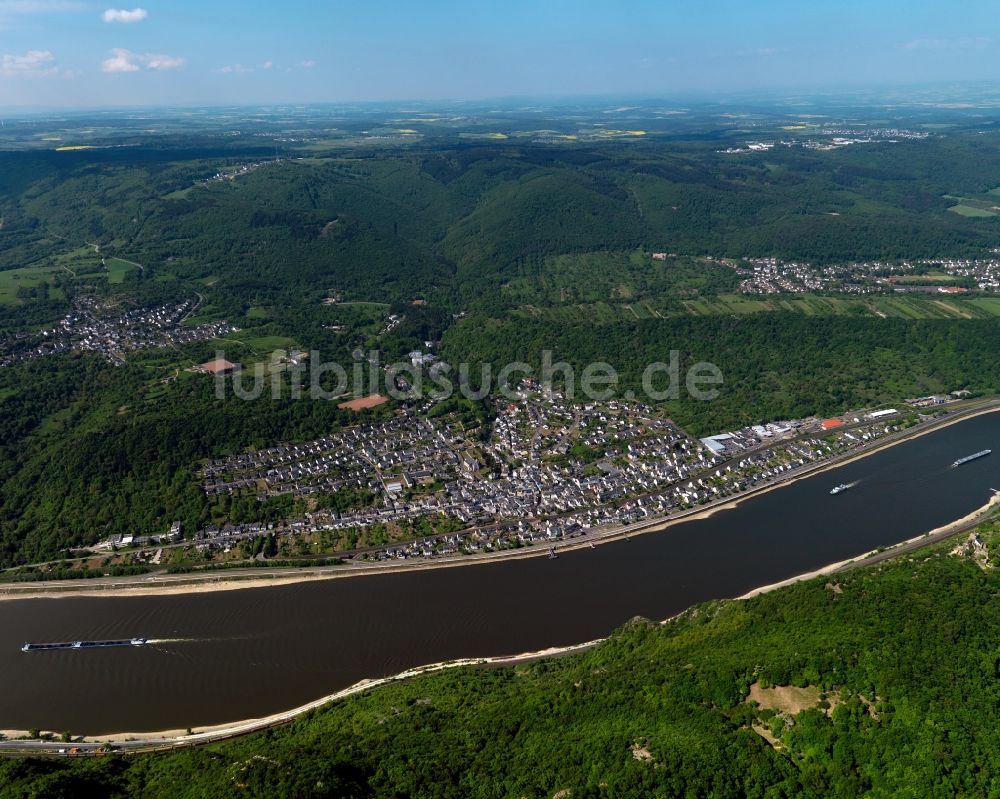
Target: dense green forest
x=897, y=664
x=774, y=366
x=510, y=248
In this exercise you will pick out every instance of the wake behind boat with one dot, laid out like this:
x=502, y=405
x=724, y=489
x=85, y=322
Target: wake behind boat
x=83, y=645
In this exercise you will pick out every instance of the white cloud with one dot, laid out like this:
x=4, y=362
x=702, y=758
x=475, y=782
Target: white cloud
x=267, y=65
x=125, y=16
x=161, y=62
x=120, y=61
x=126, y=61
x=961, y=43
x=307, y=64
x=33, y=62
x=234, y=69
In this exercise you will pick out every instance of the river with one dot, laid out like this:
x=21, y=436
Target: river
x=235, y=655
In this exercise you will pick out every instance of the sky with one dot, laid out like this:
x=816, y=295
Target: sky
x=58, y=53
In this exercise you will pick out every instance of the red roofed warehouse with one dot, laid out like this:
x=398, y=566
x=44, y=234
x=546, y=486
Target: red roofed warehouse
x=219, y=366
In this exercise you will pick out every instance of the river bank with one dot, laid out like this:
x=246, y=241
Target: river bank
x=167, y=585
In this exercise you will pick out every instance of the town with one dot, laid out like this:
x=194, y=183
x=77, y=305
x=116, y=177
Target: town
x=934, y=276
x=239, y=171
x=89, y=327
x=836, y=138
x=543, y=472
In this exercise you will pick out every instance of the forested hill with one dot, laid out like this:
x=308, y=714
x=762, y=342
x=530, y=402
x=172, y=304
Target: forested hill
x=454, y=222
x=880, y=682
x=774, y=366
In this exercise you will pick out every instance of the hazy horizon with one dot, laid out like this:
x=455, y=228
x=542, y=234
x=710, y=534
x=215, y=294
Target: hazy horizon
x=977, y=95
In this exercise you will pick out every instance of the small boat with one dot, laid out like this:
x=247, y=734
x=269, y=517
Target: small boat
x=838, y=489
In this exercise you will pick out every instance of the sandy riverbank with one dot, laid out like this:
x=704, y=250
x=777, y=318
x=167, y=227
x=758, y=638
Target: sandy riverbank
x=185, y=584
x=56, y=591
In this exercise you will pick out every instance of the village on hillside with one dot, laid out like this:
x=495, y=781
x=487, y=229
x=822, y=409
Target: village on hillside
x=544, y=471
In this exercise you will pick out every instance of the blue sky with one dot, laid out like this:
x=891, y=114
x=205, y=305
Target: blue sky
x=78, y=53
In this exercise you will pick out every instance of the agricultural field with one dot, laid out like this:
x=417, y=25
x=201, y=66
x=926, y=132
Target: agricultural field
x=976, y=207
x=977, y=211
x=990, y=305
x=263, y=343
x=883, y=307
x=179, y=194
x=820, y=306
x=930, y=277
x=118, y=269
x=29, y=277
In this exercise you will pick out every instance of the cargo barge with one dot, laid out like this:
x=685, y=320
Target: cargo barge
x=83, y=645
x=974, y=457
